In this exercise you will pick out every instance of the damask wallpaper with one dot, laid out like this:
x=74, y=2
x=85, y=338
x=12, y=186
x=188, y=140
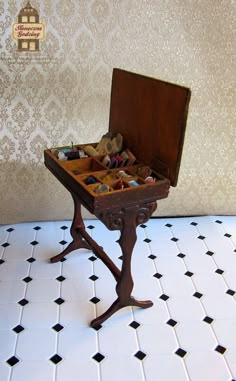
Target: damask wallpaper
x=61, y=93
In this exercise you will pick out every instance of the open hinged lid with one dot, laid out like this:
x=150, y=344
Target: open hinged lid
x=151, y=115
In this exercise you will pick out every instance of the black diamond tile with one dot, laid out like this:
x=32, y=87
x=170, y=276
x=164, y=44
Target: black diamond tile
x=201, y=237
x=218, y=222
x=1, y=261
x=23, y=302
x=59, y=301
x=197, y=295
x=12, y=360
x=27, y=279
x=31, y=260
x=181, y=255
x=5, y=244
x=37, y=228
x=55, y=359
x=92, y=258
x=171, y=322
x=230, y=292
x=147, y=240
x=90, y=227
x=60, y=278
x=164, y=297
x=209, y=253
x=120, y=257
x=94, y=300
x=188, y=273
x=57, y=327
x=143, y=226
x=140, y=355
x=168, y=225
x=151, y=256
x=157, y=275
x=18, y=329
x=134, y=324
x=174, y=239
x=220, y=349
x=63, y=259
x=219, y=271
x=63, y=242
x=98, y=357
x=10, y=230
x=64, y=227
x=34, y=243
x=181, y=352
x=194, y=223
x=228, y=235
x=93, y=277
x=208, y=319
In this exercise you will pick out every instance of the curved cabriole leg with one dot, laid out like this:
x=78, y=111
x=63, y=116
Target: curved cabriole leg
x=77, y=225
x=125, y=282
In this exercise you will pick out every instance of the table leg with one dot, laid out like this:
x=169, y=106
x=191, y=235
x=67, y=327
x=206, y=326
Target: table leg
x=125, y=282
x=77, y=225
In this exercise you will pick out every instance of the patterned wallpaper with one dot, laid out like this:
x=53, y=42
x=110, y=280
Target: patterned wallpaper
x=62, y=93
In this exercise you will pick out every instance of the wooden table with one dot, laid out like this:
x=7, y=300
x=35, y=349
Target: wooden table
x=151, y=116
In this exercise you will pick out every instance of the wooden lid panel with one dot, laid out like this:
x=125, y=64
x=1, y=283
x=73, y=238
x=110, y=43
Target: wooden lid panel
x=151, y=115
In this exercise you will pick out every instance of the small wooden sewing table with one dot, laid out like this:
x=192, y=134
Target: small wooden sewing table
x=151, y=116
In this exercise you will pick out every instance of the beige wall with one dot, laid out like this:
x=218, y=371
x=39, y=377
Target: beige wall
x=62, y=94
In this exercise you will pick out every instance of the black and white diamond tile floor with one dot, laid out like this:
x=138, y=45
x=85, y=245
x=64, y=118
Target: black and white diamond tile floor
x=186, y=266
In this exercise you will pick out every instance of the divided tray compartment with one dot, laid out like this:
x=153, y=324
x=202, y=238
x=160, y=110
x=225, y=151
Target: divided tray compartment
x=134, y=170
x=83, y=165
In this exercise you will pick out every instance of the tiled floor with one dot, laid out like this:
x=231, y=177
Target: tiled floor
x=187, y=266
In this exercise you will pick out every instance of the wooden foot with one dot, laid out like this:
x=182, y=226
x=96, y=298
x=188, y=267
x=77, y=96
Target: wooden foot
x=117, y=305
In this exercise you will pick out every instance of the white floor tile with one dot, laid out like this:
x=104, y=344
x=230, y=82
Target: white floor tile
x=36, y=344
x=79, y=343
x=108, y=336
x=76, y=313
x=195, y=336
x=45, y=270
x=77, y=289
x=72, y=370
x=158, y=313
x=10, y=315
x=185, y=308
x=207, y=365
x=77, y=265
x=186, y=266
x=211, y=283
x=164, y=367
x=225, y=336
x=126, y=368
x=170, y=265
x=201, y=263
x=40, y=315
x=12, y=291
x=8, y=344
x=230, y=357
x=33, y=370
x=5, y=371
x=14, y=270
x=177, y=285
x=160, y=340
x=220, y=307
x=43, y=290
